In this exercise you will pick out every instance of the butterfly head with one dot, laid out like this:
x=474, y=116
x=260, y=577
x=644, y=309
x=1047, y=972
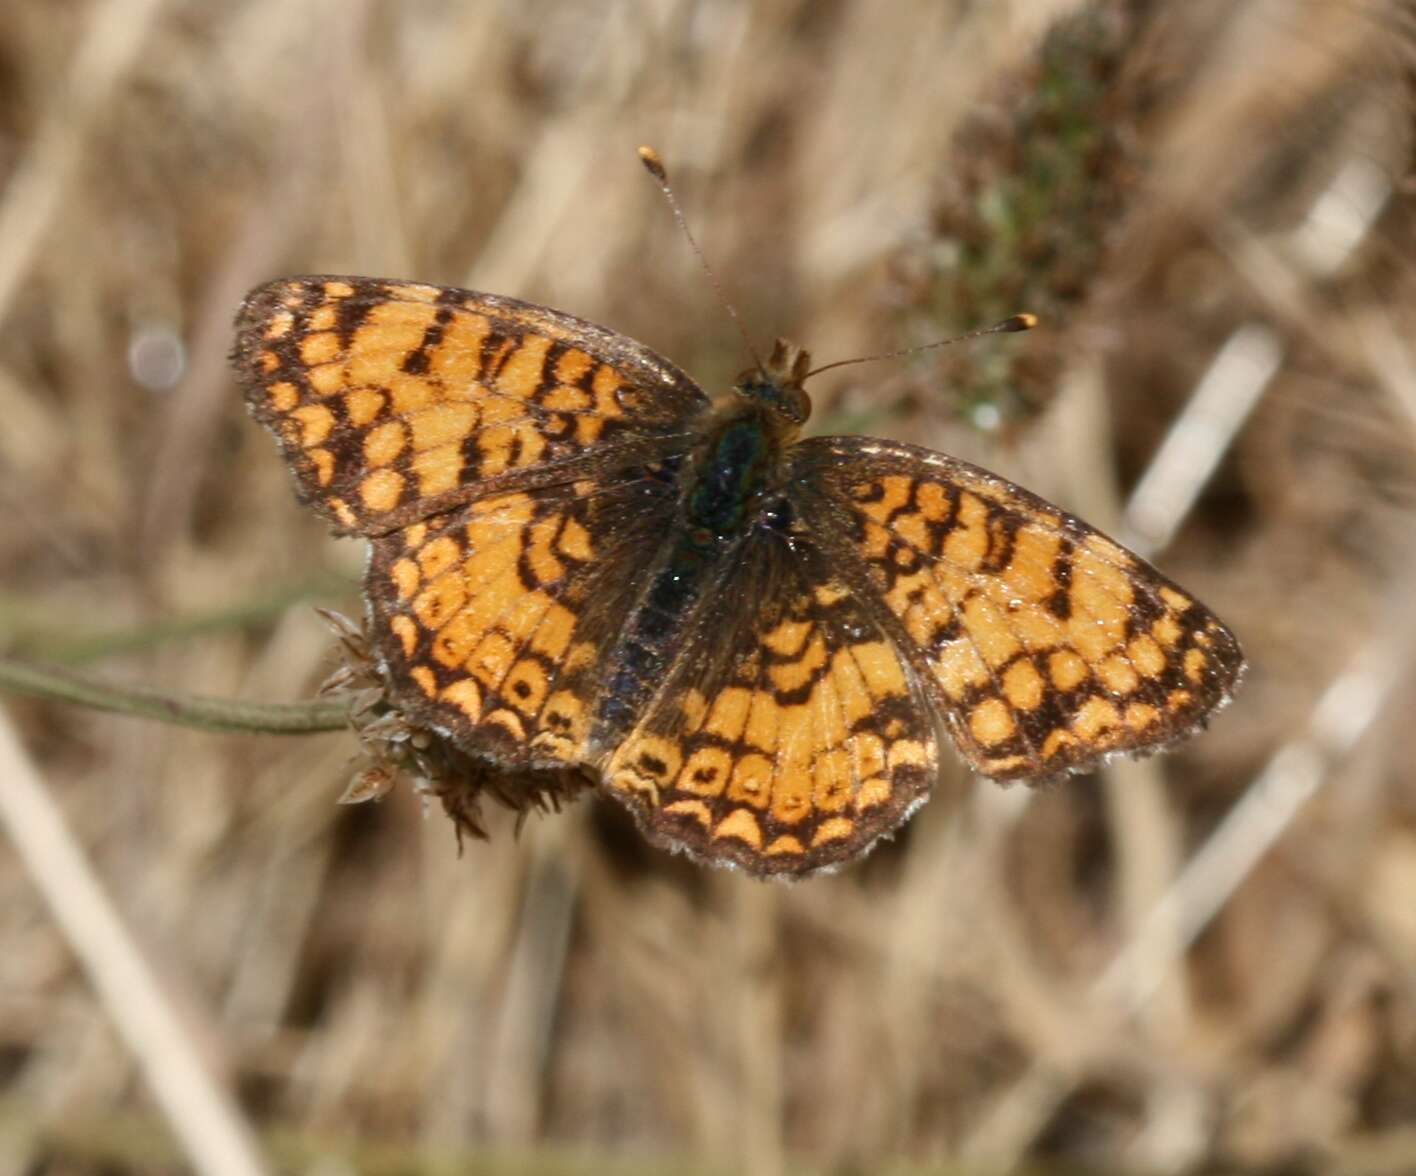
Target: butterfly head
x=776, y=385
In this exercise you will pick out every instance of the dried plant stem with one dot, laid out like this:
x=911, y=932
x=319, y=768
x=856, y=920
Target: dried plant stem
x=187, y=710
x=200, y=1110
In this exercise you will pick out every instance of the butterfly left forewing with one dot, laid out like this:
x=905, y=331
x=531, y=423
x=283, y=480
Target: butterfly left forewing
x=396, y=400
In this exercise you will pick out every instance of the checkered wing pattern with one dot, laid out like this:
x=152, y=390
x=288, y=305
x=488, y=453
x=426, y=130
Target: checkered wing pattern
x=1046, y=646
x=492, y=619
x=394, y=401
x=791, y=733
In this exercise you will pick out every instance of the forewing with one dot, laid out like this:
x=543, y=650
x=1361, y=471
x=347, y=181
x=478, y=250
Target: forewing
x=790, y=734
x=394, y=400
x=490, y=619
x=1047, y=645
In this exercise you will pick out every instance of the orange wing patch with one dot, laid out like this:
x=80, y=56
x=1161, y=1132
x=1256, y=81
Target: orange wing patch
x=394, y=400
x=790, y=743
x=1047, y=645
x=490, y=619
x=480, y=609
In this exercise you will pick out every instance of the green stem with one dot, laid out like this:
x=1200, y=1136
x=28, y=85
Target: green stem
x=34, y=630
x=188, y=710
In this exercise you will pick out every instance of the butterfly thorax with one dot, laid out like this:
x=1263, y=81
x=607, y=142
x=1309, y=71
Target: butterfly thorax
x=737, y=467
x=731, y=488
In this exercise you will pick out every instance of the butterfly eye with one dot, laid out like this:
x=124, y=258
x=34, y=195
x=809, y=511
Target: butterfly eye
x=790, y=400
x=801, y=406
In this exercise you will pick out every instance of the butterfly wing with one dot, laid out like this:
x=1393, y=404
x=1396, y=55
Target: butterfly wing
x=394, y=400
x=491, y=619
x=790, y=733
x=1046, y=645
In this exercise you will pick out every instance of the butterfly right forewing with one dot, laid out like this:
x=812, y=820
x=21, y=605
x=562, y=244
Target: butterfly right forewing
x=1047, y=645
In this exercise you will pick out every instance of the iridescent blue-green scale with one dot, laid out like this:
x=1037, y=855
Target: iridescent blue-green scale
x=716, y=512
x=729, y=480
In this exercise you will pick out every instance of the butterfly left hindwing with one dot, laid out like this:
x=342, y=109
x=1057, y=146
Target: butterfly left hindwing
x=492, y=619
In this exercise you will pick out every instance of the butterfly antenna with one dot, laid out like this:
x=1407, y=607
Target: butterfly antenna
x=654, y=165
x=1017, y=322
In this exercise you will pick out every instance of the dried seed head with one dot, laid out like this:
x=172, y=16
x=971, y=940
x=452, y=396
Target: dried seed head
x=395, y=750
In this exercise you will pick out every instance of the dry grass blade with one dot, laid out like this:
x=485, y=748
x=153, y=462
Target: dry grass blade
x=216, y=1136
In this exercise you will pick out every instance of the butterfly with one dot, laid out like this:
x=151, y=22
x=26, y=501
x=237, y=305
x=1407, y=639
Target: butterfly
x=761, y=643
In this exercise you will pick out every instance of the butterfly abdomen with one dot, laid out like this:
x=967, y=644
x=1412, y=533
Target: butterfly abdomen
x=644, y=652
x=720, y=502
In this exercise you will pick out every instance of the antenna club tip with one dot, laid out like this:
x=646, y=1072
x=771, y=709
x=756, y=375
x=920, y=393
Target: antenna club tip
x=655, y=165
x=1019, y=322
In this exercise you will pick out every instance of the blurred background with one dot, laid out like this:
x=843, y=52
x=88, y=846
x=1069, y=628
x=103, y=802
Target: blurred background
x=1200, y=963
